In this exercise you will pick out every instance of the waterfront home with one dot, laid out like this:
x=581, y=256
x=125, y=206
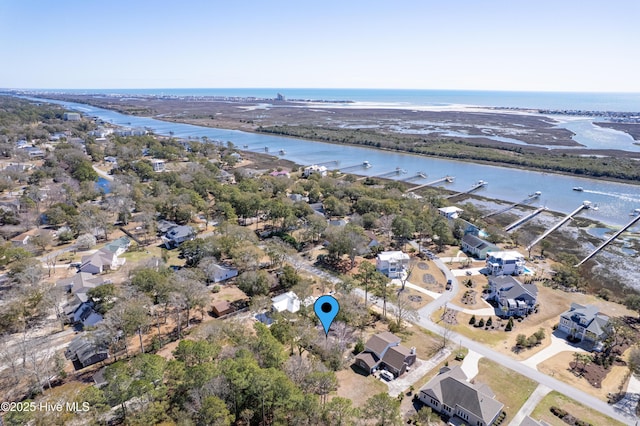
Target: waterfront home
x=450, y=212
x=450, y=394
x=314, y=169
x=505, y=263
x=514, y=299
x=384, y=351
x=392, y=263
x=288, y=301
x=476, y=246
x=584, y=323
x=71, y=116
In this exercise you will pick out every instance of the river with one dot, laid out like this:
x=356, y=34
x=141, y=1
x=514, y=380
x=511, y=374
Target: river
x=615, y=200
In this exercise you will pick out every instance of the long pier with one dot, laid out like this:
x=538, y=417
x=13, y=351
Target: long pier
x=475, y=187
x=326, y=163
x=397, y=171
x=506, y=209
x=363, y=165
x=444, y=179
x=524, y=219
x=613, y=237
x=584, y=205
x=419, y=175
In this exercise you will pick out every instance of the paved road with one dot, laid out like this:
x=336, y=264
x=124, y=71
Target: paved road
x=582, y=397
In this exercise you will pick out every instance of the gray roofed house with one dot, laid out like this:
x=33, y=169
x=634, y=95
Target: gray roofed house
x=178, y=235
x=383, y=350
x=118, y=246
x=476, y=246
x=80, y=308
x=514, y=299
x=450, y=393
x=584, y=323
x=83, y=351
x=100, y=261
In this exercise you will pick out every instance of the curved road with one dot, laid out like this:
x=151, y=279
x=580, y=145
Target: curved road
x=582, y=397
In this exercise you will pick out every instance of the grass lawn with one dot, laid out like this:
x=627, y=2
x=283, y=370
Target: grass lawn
x=541, y=412
x=511, y=388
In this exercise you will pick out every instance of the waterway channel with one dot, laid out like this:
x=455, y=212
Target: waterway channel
x=615, y=200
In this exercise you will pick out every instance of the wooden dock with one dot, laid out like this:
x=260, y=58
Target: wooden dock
x=437, y=181
x=523, y=219
x=613, y=237
x=584, y=205
x=475, y=187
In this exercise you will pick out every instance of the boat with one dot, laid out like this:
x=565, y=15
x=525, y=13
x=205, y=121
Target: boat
x=578, y=188
x=482, y=183
x=535, y=194
x=282, y=152
x=366, y=164
x=635, y=212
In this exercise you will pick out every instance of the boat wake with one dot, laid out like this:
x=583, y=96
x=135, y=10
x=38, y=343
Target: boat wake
x=621, y=196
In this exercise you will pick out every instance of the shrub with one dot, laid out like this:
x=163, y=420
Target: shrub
x=359, y=347
x=558, y=412
x=481, y=322
x=521, y=340
x=472, y=321
x=215, y=289
x=489, y=322
x=509, y=326
x=539, y=334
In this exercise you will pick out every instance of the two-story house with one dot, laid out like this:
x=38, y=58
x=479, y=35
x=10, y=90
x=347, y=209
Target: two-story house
x=450, y=394
x=392, y=263
x=584, y=323
x=505, y=263
x=514, y=299
x=178, y=235
x=383, y=350
x=476, y=246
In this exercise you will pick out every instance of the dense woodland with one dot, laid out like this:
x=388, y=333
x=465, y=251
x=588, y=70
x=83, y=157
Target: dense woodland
x=221, y=372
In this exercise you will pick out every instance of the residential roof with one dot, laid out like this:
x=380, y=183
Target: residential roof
x=452, y=389
x=396, y=356
x=476, y=242
x=512, y=288
x=81, y=282
x=99, y=258
x=379, y=342
x=506, y=255
x=450, y=209
x=117, y=244
x=392, y=255
x=369, y=359
x=180, y=231
x=587, y=314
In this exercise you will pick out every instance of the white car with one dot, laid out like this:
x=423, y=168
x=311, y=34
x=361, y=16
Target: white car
x=387, y=375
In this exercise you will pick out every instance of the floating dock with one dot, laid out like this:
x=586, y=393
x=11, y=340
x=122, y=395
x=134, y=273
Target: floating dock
x=613, y=237
x=585, y=205
x=527, y=200
x=475, y=187
x=524, y=219
x=435, y=182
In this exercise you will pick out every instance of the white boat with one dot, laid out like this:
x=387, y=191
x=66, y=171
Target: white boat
x=366, y=164
x=578, y=188
x=535, y=194
x=482, y=183
x=635, y=212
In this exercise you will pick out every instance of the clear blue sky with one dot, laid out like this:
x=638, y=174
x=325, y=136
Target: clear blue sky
x=550, y=45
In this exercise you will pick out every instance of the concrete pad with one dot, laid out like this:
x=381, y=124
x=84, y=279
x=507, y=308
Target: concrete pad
x=470, y=364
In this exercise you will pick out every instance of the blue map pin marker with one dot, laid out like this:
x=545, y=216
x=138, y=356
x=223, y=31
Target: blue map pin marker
x=326, y=309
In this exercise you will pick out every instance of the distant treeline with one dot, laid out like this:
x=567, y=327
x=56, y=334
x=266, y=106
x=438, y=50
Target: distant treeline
x=626, y=169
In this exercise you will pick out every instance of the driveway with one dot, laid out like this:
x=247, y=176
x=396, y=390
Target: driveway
x=558, y=345
x=630, y=401
x=402, y=383
x=530, y=404
x=470, y=364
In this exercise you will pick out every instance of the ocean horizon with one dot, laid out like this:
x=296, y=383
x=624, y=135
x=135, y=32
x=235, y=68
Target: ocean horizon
x=582, y=101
